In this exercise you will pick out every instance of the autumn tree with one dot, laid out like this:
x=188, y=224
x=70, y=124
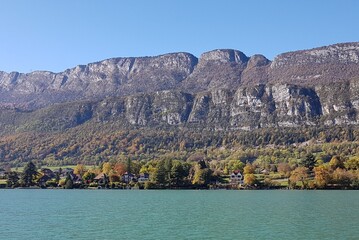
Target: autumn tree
x=248, y=169
x=202, y=174
x=352, y=163
x=300, y=174
x=284, y=169
x=249, y=179
x=80, y=169
x=106, y=168
x=321, y=176
x=336, y=162
x=119, y=168
x=342, y=177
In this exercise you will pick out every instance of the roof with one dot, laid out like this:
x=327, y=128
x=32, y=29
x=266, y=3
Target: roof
x=100, y=176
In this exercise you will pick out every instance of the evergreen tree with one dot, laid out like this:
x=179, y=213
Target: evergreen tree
x=159, y=175
x=309, y=162
x=128, y=166
x=12, y=179
x=69, y=184
x=177, y=174
x=29, y=174
x=168, y=167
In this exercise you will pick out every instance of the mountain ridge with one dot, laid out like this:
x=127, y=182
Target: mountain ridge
x=220, y=68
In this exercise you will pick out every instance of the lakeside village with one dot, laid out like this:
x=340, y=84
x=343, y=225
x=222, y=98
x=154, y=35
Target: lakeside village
x=201, y=174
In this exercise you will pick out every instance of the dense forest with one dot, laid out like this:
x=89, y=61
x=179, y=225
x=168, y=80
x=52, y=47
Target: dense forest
x=92, y=143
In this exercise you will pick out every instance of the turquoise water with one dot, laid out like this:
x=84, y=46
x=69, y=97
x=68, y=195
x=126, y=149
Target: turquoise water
x=129, y=214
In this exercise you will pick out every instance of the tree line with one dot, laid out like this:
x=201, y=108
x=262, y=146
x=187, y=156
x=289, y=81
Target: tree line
x=310, y=172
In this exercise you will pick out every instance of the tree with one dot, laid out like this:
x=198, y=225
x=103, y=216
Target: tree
x=322, y=176
x=284, y=169
x=88, y=176
x=168, y=166
x=250, y=179
x=235, y=165
x=128, y=165
x=336, y=162
x=106, y=168
x=309, y=161
x=29, y=174
x=352, y=163
x=159, y=173
x=248, y=169
x=12, y=179
x=80, y=169
x=69, y=184
x=119, y=168
x=177, y=174
x=300, y=174
x=342, y=177
x=202, y=176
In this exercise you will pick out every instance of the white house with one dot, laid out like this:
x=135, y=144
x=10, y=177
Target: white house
x=144, y=177
x=236, y=177
x=128, y=177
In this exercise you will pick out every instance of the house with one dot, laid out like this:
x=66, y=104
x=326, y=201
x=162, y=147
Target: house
x=63, y=172
x=48, y=172
x=76, y=178
x=128, y=177
x=144, y=177
x=236, y=177
x=42, y=180
x=102, y=178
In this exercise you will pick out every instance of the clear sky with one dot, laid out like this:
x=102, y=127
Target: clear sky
x=58, y=34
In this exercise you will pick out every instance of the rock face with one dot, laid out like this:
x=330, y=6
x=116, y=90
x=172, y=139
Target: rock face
x=247, y=108
x=222, y=90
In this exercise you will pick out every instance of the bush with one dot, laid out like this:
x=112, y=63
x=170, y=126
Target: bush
x=51, y=183
x=93, y=184
x=62, y=182
x=150, y=185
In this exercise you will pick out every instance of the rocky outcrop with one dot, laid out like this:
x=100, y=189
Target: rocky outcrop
x=112, y=77
x=247, y=108
x=331, y=64
x=223, y=89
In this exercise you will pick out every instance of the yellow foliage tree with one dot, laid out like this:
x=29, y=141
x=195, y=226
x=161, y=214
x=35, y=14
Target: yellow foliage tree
x=250, y=179
x=80, y=169
x=322, y=176
x=248, y=169
x=106, y=168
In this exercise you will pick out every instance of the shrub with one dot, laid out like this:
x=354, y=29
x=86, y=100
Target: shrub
x=150, y=185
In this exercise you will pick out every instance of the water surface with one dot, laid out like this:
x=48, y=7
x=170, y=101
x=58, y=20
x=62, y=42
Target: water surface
x=128, y=214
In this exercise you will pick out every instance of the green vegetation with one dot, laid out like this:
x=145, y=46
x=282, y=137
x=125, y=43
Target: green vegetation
x=198, y=173
x=186, y=158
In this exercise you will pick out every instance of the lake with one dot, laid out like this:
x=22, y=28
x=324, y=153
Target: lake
x=176, y=214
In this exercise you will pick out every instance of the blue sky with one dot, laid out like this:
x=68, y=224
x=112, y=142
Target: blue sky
x=59, y=34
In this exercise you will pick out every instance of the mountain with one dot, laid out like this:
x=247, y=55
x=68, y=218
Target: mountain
x=179, y=71
x=221, y=91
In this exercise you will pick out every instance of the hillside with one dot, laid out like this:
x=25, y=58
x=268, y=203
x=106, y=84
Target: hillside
x=224, y=95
